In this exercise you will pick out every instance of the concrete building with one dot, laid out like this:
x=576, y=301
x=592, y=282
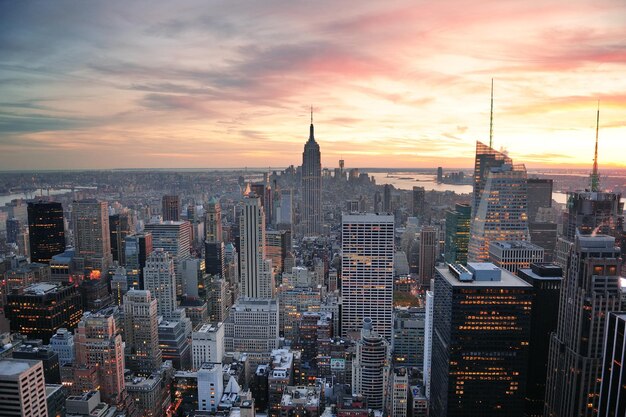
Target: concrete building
x=301, y=401
x=150, y=394
x=429, y=251
x=408, y=340
x=613, y=389
x=311, y=186
x=515, y=255
x=170, y=208
x=62, y=342
x=141, y=332
x=210, y=386
x=207, y=344
x=252, y=327
x=257, y=279
x=160, y=280
x=23, y=388
x=92, y=239
x=399, y=392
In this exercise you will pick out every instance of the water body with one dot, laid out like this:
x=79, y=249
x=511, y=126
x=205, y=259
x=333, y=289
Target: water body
x=6, y=199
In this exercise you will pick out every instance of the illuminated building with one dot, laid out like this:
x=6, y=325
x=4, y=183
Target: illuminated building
x=514, y=255
x=95, y=291
x=486, y=158
x=46, y=232
x=311, y=186
x=99, y=345
x=210, y=386
x=278, y=244
x=92, y=240
x=367, y=246
x=170, y=208
x=13, y=230
x=213, y=242
x=196, y=309
x=613, y=389
x=40, y=310
x=546, y=281
x=589, y=211
x=150, y=394
x=418, y=403
x=480, y=342
x=160, y=280
x=62, y=342
x=281, y=375
x=293, y=302
x=257, y=279
x=407, y=341
x=398, y=392
x=141, y=332
x=175, y=339
x=501, y=211
x=457, y=233
x=137, y=247
x=300, y=401
x=23, y=388
x=207, y=344
x=589, y=292
x=429, y=251
x=370, y=368
x=35, y=350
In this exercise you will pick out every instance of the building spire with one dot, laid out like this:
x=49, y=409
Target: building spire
x=595, y=178
x=311, y=136
x=491, y=118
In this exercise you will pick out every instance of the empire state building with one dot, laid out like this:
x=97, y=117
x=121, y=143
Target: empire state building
x=311, y=186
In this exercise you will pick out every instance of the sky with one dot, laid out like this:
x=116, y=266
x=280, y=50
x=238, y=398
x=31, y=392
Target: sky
x=395, y=83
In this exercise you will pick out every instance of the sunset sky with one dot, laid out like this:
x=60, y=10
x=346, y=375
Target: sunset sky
x=133, y=84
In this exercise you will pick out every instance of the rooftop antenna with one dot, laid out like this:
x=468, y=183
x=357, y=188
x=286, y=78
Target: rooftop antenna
x=491, y=118
x=595, y=178
x=311, y=114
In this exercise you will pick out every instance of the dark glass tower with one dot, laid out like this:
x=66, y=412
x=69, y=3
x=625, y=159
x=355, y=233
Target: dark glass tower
x=613, y=390
x=457, y=233
x=46, y=231
x=311, y=186
x=486, y=158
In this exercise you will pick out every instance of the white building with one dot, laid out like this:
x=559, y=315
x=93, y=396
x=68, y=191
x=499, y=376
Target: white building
x=399, y=386
x=207, y=344
x=257, y=279
x=210, y=386
x=514, y=255
x=160, y=279
x=23, y=388
x=252, y=326
x=428, y=340
x=62, y=342
x=367, y=272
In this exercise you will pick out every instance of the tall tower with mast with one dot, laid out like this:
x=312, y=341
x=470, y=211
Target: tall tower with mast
x=594, y=177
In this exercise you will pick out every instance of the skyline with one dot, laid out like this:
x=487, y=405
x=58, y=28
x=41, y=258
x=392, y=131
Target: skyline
x=401, y=84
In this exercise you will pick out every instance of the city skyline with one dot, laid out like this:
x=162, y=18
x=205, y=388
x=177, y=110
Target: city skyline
x=398, y=84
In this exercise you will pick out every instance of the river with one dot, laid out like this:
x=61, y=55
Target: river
x=5, y=199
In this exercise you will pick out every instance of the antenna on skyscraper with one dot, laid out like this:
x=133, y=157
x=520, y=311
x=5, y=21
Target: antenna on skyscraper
x=311, y=114
x=491, y=118
x=595, y=178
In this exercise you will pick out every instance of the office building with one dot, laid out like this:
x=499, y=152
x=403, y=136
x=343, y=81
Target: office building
x=486, y=159
x=137, y=247
x=213, y=241
x=35, y=350
x=278, y=245
x=92, y=239
x=613, y=388
x=301, y=401
x=46, y=232
x=387, y=208
x=23, y=389
x=398, y=393
x=99, y=345
x=120, y=226
x=408, y=336
x=256, y=271
x=150, y=394
x=546, y=281
x=170, y=208
x=590, y=290
x=252, y=326
x=418, y=201
x=480, y=341
x=501, y=212
x=40, y=310
x=207, y=344
x=311, y=186
x=371, y=365
x=544, y=234
x=210, y=386
x=457, y=233
x=175, y=339
x=514, y=255
x=160, y=280
x=539, y=195
x=429, y=252
x=141, y=332
x=589, y=211
x=62, y=342
x=428, y=341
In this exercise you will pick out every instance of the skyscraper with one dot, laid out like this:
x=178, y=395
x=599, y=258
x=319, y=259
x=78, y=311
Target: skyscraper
x=429, y=251
x=387, y=199
x=486, y=158
x=311, y=186
x=418, y=201
x=457, y=233
x=480, y=342
x=256, y=271
x=589, y=292
x=367, y=247
x=141, y=332
x=501, y=212
x=119, y=228
x=137, y=247
x=213, y=244
x=539, y=195
x=160, y=280
x=46, y=232
x=92, y=240
x=170, y=208
x=23, y=388
x=613, y=389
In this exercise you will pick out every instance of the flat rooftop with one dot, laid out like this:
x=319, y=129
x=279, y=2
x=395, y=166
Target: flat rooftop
x=507, y=279
x=515, y=244
x=14, y=367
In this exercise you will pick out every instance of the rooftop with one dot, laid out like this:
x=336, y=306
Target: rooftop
x=515, y=244
x=507, y=279
x=14, y=367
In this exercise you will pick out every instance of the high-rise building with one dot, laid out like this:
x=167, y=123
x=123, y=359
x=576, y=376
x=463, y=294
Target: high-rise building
x=428, y=341
x=486, y=159
x=119, y=227
x=544, y=234
x=367, y=244
x=62, y=342
x=418, y=201
x=92, y=240
x=589, y=211
x=408, y=336
x=13, y=230
x=23, y=388
x=46, y=233
x=613, y=389
x=255, y=269
x=174, y=237
x=429, y=251
x=210, y=386
x=370, y=368
x=207, y=344
x=501, y=212
x=457, y=233
x=170, y=208
x=137, y=247
x=278, y=244
x=589, y=292
x=546, y=281
x=480, y=342
x=175, y=339
x=40, y=310
x=387, y=199
x=141, y=332
x=213, y=242
x=539, y=195
x=311, y=186
x=99, y=345
x=514, y=255
x=398, y=392
x=252, y=326
x=160, y=280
